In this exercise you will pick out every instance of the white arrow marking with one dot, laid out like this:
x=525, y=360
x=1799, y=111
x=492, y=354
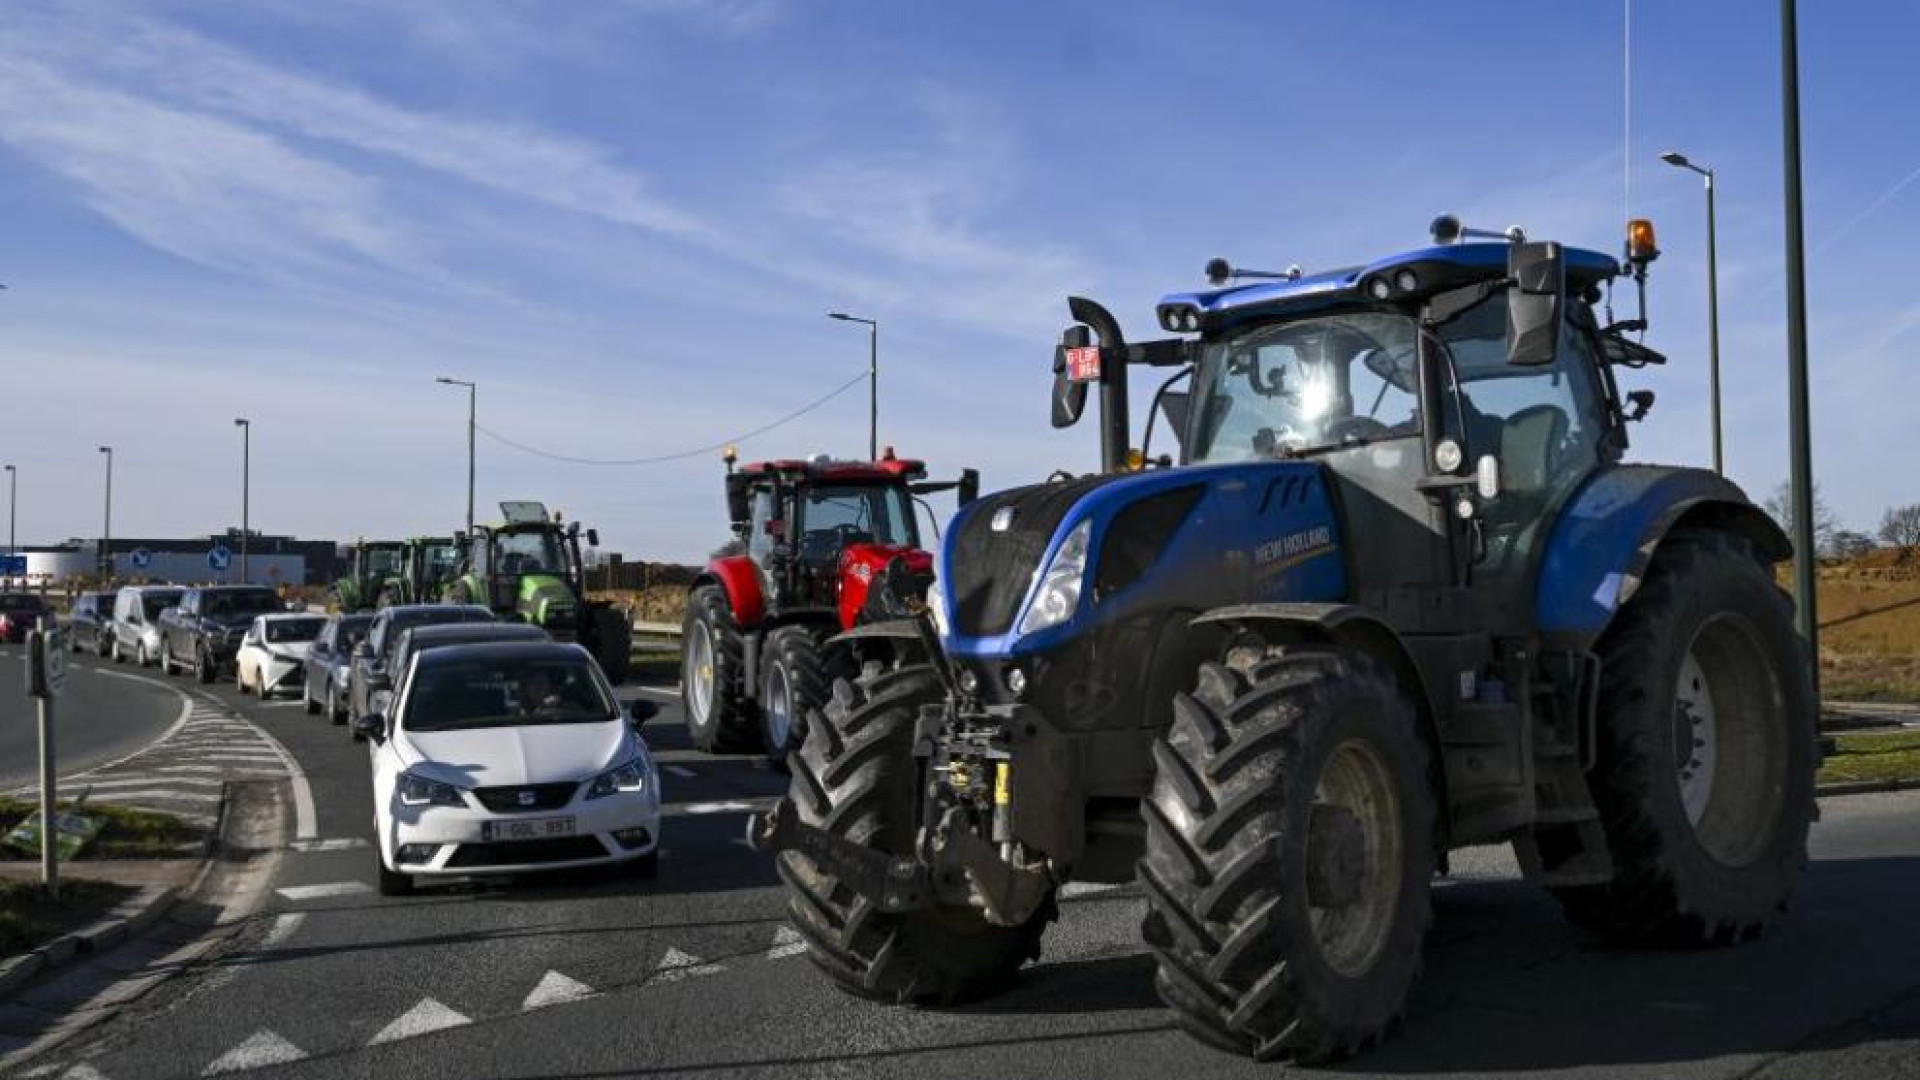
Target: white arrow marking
x=786, y=942
x=261, y=1048
x=677, y=965
x=321, y=892
x=83, y=1071
x=427, y=1016
x=283, y=928
x=556, y=989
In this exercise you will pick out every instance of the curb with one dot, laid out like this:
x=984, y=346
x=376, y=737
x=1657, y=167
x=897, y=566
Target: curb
x=1865, y=787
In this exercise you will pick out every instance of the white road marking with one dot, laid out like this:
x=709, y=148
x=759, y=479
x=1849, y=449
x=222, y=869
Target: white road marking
x=261, y=1048
x=83, y=1071
x=669, y=691
x=786, y=942
x=1084, y=888
x=137, y=781
x=283, y=928
x=557, y=989
x=677, y=965
x=731, y=806
x=303, y=814
x=186, y=710
x=346, y=843
x=322, y=892
x=681, y=771
x=427, y=1016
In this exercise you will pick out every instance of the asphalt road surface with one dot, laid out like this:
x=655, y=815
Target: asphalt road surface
x=695, y=974
x=104, y=714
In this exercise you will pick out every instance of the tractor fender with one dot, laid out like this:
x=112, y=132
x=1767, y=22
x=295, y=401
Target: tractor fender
x=739, y=579
x=1603, y=541
x=887, y=641
x=892, y=630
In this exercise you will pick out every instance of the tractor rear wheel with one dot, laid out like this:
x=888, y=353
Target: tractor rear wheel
x=796, y=681
x=1704, y=777
x=1289, y=855
x=856, y=776
x=713, y=676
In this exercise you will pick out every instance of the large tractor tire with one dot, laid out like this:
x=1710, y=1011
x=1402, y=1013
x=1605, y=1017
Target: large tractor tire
x=796, y=681
x=713, y=676
x=612, y=642
x=1705, y=766
x=856, y=776
x=1289, y=855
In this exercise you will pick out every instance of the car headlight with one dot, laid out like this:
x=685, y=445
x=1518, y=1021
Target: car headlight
x=420, y=791
x=628, y=778
x=1060, y=586
x=937, y=608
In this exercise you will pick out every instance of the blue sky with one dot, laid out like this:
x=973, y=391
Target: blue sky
x=626, y=220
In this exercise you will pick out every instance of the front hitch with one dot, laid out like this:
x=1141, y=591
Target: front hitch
x=894, y=885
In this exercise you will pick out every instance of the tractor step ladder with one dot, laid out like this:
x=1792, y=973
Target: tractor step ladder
x=1566, y=845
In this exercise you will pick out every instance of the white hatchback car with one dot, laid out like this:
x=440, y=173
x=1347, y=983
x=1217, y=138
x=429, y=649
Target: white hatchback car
x=273, y=654
x=508, y=758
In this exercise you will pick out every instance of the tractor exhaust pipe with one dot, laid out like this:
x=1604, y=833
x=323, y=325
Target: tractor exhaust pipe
x=1113, y=379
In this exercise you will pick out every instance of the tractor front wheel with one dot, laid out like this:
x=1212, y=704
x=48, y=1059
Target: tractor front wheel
x=713, y=676
x=856, y=776
x=1289, y=855
x=1704, y=777
x=796, y=681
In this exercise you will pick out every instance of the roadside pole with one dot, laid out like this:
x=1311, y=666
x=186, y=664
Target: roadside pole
x=46, y=676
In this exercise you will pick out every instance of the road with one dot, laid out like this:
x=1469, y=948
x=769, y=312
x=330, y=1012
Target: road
x=103, y=715
x=694, y=973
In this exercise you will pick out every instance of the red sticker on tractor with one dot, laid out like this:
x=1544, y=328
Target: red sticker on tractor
x=1083, y=363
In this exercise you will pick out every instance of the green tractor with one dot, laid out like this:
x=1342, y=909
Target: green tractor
x=429, y=564
x=374, y=576
x=528, y=569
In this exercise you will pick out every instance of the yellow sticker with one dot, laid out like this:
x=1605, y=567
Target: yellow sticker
x=1000, y=774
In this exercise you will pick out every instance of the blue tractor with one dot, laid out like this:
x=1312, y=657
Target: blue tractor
x=1398, y=593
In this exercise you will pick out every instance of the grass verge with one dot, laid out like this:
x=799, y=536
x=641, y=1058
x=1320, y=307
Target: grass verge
x=126, y=833
x=29, y=918
x=1873, y=756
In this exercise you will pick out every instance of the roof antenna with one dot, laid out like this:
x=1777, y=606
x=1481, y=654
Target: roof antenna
x=1220, y=271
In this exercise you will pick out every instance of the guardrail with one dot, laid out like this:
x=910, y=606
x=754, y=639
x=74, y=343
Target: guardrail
x=662, y=629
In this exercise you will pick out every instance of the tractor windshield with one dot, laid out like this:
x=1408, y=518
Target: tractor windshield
x=382, y=562
x=835, y=515
x=536, y=551
x=439, y=561
x=1285, y=389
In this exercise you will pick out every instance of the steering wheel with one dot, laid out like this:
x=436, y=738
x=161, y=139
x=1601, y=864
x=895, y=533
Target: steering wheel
x=1356, y=429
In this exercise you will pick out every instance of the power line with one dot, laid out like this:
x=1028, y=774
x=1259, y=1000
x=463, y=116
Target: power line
x=682, y=454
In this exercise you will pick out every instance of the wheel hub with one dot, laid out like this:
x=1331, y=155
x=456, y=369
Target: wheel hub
x=700, y=695
x=1695, y=737
x=779, y=708
x=1338, y=867
x=1354, y=848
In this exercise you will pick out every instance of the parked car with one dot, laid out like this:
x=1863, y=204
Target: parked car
x=90, y=623
x=19, y=613
x=202, y=634
x=414, y=639
x=273, y=655
x=506, y=758
x=136, y=622
x=328, y=661
x=373, y=657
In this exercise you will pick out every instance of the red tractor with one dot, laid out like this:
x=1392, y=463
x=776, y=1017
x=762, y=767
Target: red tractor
x=810, y=538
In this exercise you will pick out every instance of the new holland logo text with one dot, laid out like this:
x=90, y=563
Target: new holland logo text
x=1293, y=548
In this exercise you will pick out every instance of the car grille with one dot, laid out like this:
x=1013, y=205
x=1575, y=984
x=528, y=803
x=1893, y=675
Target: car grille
x=527, y=852
x=509, y=800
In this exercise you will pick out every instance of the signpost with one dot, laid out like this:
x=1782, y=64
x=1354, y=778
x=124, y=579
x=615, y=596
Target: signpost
x=46, y=677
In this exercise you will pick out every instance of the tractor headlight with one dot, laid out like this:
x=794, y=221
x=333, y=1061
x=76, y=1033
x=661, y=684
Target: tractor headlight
x=937, y=609
x=1060, y=585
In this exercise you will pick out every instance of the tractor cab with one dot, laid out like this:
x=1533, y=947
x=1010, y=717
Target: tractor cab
x=373, y=571
x=433, y=562
x=528, y=568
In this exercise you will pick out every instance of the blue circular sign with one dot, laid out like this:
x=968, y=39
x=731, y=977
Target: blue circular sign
x=220, y=557
x=141, y=558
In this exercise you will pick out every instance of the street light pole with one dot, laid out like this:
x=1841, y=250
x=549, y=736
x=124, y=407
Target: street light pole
x=246, y=491
x=1679, y=160
x=473, y=392
x=106, y=529
x=13, y=489
x=1800, y=435
x=873, y=379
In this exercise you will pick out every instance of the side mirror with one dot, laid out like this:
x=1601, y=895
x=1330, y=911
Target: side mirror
x=593, y=538
x=381, y=701
x=1534, y=303
x=640, y=710
x=362, y=650
x=371, y=726
x=1069, y=394
x=739, y=510
x=969, y=486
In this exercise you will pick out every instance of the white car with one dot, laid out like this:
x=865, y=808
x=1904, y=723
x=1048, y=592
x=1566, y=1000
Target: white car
x=507, y=758
x=273, y=654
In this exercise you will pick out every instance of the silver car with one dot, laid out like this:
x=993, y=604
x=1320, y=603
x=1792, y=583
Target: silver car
x=136, y=622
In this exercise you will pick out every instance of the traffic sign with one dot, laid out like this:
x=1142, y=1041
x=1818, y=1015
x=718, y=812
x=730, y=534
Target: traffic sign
x=141, y=558
x=47, y=662
x=220, y=557
x=13, y=566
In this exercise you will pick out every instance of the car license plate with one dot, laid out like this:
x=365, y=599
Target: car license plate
x=526, y=829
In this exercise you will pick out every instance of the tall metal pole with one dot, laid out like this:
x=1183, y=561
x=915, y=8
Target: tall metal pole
x=1800, y=438
x=1713, y=331
x=473, y=392
x=49, y=776
x=106, y=529
x=13, y=489
x=246, y=489
x=873, y=379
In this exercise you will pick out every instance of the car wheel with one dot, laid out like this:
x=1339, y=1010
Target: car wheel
x=167, y=666
x=334, y=714
x=140, y=656
x=207, y=670
x=392, y=883
x=118, y=656
x=100, y=646
x=307, y=704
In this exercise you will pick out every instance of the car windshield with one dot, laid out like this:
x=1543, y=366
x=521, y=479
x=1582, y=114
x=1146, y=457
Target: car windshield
x=834, y=515
x=22, y=602
x=518, y=692
x=288, y=631
x=155, y=603
x=221, y=605
x=536, y=551
x=383, y=562
x=1284, y=389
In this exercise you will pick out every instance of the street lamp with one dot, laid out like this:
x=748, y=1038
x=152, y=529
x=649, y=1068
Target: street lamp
x=246, y=485
x=873, y=379
x=1679, y=161
x=1799, y=422
x=106, y=529
x=13, y=487
x=473, y=391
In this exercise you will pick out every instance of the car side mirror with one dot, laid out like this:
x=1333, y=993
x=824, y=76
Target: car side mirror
x=381, y=701
x=640, y=710
x=363, y=651
x=1069, y=394
x=372, y=726
x=1535, y=302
